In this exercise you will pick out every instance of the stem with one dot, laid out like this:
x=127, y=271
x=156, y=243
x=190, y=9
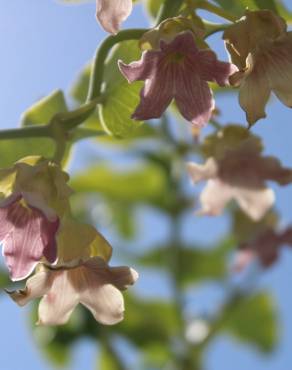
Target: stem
x=111, y=350
x=97, y=71
x=169, y=9
x=26, y=132
x=205, y=5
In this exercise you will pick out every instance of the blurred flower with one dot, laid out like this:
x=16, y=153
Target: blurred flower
x=179, y=71
x=240, y=174
x=266, y=247
x=34, y=195
x=111, y=13
x=92, y=283
x=261, y=48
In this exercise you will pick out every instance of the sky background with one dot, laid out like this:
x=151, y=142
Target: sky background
x=43, y=46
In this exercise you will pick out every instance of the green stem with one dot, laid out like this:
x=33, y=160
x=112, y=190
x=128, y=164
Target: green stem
x=170, y=8
x=205, y=5
x=25, y=132
x=97, y=72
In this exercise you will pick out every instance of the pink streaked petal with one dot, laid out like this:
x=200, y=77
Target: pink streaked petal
x=183, y=43
x=193, y=97
x=23, y=245
x=111, y=13
x=57, y=305
x=214, y=197
x=141, y=69
x=48, y=233
x=254, y=202
x=156, y=95
x=211, y=69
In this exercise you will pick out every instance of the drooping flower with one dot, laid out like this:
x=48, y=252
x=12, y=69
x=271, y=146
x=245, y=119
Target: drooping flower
x=179, y=71
x=92, y=283
x=265, y=247
x=34, y=195
x=261, y=48
x=239, y=173
x=111, y=13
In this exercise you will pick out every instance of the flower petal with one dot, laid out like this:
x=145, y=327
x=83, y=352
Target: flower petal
x=254, y=94
x=156, y=94
x=254, y=202
x=214, y=197
x=199, y=172
x=23, y=246
x=111, y=13
x=193, y=97
x=57, y=305
x=141, y=69
x=36, y=287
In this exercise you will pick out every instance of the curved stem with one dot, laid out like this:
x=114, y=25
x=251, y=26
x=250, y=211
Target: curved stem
x=169, y=9
x=205, y=5
x=97, y=71
x=26, y=132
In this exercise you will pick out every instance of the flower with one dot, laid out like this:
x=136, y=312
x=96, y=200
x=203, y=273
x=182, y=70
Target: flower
x=92, y=283
x=239, y=173
x=261, y=48
x=179, y=71
x=33, y=198
x=266, y=247
x=111, y=13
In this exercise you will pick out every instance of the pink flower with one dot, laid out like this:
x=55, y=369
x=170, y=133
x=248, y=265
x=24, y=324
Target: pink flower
x=111, y=13
x=93, y=284
x=27, y=234
x=265, y=247
x=240, y=175
x=179, y=71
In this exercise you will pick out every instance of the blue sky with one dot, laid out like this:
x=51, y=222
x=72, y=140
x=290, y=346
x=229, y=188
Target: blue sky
x=43, y=46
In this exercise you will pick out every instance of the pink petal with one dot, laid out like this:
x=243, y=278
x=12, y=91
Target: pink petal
x=111, y=13
x=26, y=234
x=184, y=43
x=156, y=94
x=211, y=69
x=57, y=305
x=141, y=69
x=193, y=97
x=199, y=172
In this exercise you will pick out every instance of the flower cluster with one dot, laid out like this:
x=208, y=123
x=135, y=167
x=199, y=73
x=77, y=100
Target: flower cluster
x=69, y=259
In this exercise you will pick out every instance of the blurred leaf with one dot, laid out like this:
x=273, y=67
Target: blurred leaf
x=4, y=280
x=12, y=150
x=148, y=322
x=80, y=87
x=254, y=321
x=106, y=360
x=43, y=110
x=135, y=185
x=194, y=264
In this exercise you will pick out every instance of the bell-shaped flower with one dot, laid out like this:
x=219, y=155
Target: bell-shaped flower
x=33, y=198
x=111, y=13
x=179, y=71
x=261, y=48
x=92, y=283
x=240, y=174
x=265, y=247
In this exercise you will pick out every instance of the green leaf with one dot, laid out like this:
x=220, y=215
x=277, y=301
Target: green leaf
x=43, y=110
x=13, y=150
x=4, y=280
x=135, y=185
x=254, y=321
x=120, y=97
x=153, y=7
x=106, y=361
x=80, y=87
x=194, y=264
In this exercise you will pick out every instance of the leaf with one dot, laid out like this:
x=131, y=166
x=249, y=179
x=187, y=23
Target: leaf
x=153, y=7
x=254, y=322
x=13, y=150
x=106, y=361
x=120, y=97
x=43, y=110
x=4, y=280
x=80, y=87
x=193, y=264
x=135, y=185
